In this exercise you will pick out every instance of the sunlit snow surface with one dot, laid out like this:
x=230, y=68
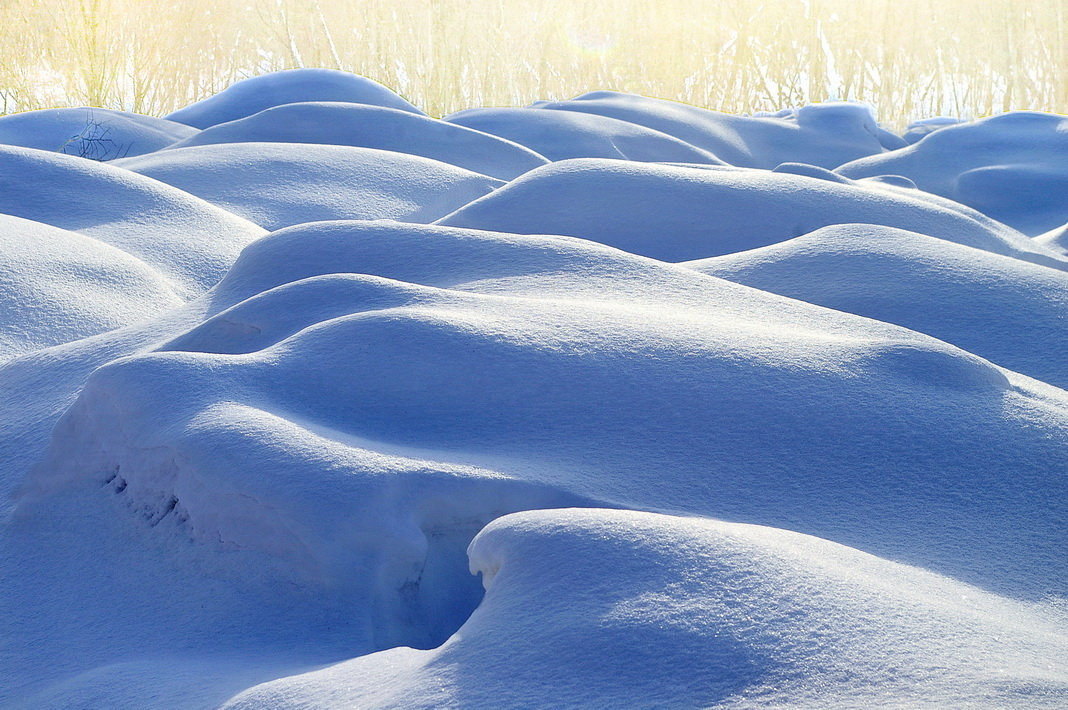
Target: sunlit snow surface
x=310, y=400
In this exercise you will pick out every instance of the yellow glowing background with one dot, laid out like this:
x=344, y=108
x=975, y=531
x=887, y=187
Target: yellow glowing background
x=909, y=58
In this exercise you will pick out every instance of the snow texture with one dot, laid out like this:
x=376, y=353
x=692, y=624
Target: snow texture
x=608, y=402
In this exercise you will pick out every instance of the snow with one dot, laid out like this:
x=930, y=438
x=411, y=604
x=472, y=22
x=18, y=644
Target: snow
x=559, y=135
x=702, y=613
x=678, y=213
x=257, y=93
x=57, y=286
x=683, y=418
x=94, y=133
x=190, y=242
x=279, y=184
x=919, y=129
x=1055, y=239
x=825, y=135
x=985, y=303
x=335, y=123
x=1012, y=167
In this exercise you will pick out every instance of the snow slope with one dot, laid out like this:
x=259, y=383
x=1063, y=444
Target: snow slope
x=190, y=242
x=677, y=213
x=826, y=135
x=95, y=133
x=1006, y=310
x=57, y=286
x=1012, y=167
x=1055, y=239
x=257, y=93
x=638, y=429
x=279, y=184
x=560, y=135
x=366, y=126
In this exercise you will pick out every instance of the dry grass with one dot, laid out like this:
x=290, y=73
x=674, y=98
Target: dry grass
x=909, y=58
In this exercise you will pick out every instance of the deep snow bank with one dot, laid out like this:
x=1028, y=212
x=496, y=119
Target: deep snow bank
x=264, y=482
x=567, y=364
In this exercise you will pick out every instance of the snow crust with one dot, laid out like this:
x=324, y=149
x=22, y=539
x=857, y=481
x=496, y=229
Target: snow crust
x=608, y=402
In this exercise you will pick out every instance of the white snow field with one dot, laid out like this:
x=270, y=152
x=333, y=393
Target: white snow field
x=610, y=402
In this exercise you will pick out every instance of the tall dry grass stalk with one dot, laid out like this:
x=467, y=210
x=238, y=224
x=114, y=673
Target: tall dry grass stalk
x=909, y=58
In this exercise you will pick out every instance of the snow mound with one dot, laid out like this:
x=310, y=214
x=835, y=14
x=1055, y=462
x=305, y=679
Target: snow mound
x=826, y=135
x=257, y=93
x=917, y=130
x=717, y=424
x=595, y=608
x=1012, y=167
x=376, y=127
x=579, y=368
x=560, y=135
x=280, y=184
x=57, y=286
x=1008, y=311
x=94, y=133
x=189, y=241
x=679, y=213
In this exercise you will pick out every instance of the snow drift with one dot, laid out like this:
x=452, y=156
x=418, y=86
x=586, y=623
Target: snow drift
x=560, y=135
x=1009, y=311
x=825, y=135
x=678, y=213
x=97, y=134
x=286, y=87
x=1013, y=167
x=279, y=184
x=699, y=613
x=716, y=424
x=359, y=125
